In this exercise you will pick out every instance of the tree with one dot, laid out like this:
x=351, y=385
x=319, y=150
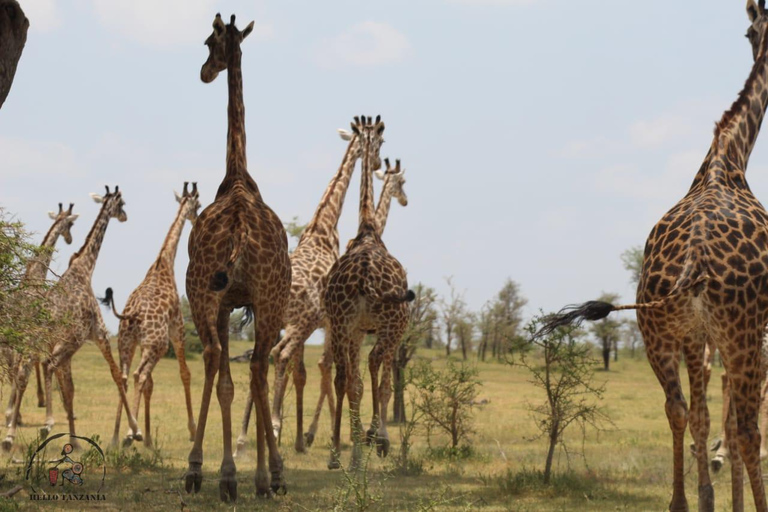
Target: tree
x=13, y=36
x=192, y=341
x=422, y=318
x=294, y=229
x=632, y=335
x=506, y=318
x=633, y=261
x=25, y=325
x=445, y=398
x=464, y=329
x=484, y=326
x=563, y=368
x=451, y=311
x=607, y=331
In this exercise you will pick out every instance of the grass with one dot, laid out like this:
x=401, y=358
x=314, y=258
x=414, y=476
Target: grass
x=629, y=468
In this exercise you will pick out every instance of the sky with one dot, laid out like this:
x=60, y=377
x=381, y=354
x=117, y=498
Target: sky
x=540, y=138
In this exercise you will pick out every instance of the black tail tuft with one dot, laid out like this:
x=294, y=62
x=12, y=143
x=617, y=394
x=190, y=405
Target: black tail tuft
x=107, y=299
x=574, y=315
x=219, y=281
x=247, y=317
x=410, y=296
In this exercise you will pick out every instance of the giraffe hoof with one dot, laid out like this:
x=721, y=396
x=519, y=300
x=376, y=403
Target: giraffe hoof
x=193, y=480
x=382, y=447
x=7, y=444
x=228, y=489
x=370, y=435
x=138, y=436
x=279, y=488
x=127, y=441
x=309, y=438
x=717, y=464
x=44, y=431
x=334, y=464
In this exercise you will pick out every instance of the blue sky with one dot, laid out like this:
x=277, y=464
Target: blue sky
x=541, y=138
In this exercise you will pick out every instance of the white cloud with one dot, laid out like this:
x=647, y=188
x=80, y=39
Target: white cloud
x=659, y=131
x=24, y=157
x=166, y=23
x=366, y=44
x=43, y=15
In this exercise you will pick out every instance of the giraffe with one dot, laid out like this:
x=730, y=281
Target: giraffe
x=151, y=317
x=316, y=252
x=35, y=275
x=704, y=280
x=367, y=291
x=76, y=314
x=238, y=257
x=394, y=181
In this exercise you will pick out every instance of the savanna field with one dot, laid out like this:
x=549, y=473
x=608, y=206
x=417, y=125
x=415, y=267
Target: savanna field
x=627, y=468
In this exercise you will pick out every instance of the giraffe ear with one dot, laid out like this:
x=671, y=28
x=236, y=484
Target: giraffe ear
x=73, y=217
x=379, y=174
x=344, y=134
x=96, y=198
x=355, y=129
x=178, y=197
x=52, y=215
x=380, y=129
x=248, y=30
x=752, y=10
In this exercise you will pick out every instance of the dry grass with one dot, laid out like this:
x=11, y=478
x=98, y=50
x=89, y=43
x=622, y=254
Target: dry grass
x=628, y=469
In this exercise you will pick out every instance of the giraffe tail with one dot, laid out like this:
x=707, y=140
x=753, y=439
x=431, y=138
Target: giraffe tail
x=109, y=300
x=220, y=279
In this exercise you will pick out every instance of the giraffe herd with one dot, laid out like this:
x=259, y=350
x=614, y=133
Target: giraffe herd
x=703, y=287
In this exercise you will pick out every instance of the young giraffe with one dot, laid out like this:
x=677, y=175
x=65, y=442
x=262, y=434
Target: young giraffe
x=704, y=280
x=35, y=275
x=238, y=257
x=367, y=291
x=310, y=263
x=151, y=317
x=394, y=181
x=76, y=313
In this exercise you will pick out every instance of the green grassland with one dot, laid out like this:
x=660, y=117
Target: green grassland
x=627, y=468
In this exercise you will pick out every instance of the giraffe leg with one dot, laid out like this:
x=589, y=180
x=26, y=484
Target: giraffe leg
x=340, y=384
x=40, y=392
x=177, y=339
x=326, y=392
x=355, y=393
x=261, y=480
x=722, y=451
x=21, y=378
x=126, y=346
x=143, y=385
x=242, y=439
x=207, y=329
x=64, y=373
x=299, y=381
x=737, y=468
x=266, y=330
x=375, y=358
x=695, y=360
x=764, y=420
x=225, y=392
x=745, y=397
x=149, y=386
x=47, y=379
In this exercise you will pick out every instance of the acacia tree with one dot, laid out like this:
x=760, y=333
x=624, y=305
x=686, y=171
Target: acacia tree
x=464, y=330
x=633, y=262
x=607, y=331
x=561, y=366
x=506, y=318
x=421, y=322
x=13, y=36
x=484, y=327
x=451, y=311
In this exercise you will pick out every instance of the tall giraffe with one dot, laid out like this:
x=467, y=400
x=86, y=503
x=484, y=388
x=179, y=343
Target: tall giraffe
x=704, y=279
x=238, y=257
x=394, y=182
x=367, y=291
x=36, y=271
x=151, y=317
x=77, y=318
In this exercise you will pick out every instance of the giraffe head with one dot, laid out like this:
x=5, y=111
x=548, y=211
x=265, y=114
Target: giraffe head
x=113, y=203
x=63, y=221
x=189, y=201
x=757, y=31
x=369, y=133
x=224, y=40
x=394, y=178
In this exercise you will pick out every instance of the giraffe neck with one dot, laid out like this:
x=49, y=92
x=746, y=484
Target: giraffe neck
x=326, y=219
x=382, y=209
x=737, y=131
x=168, y=251
x=85, y=258
x=237, y=165
x=367, y=215
x=37, y=268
